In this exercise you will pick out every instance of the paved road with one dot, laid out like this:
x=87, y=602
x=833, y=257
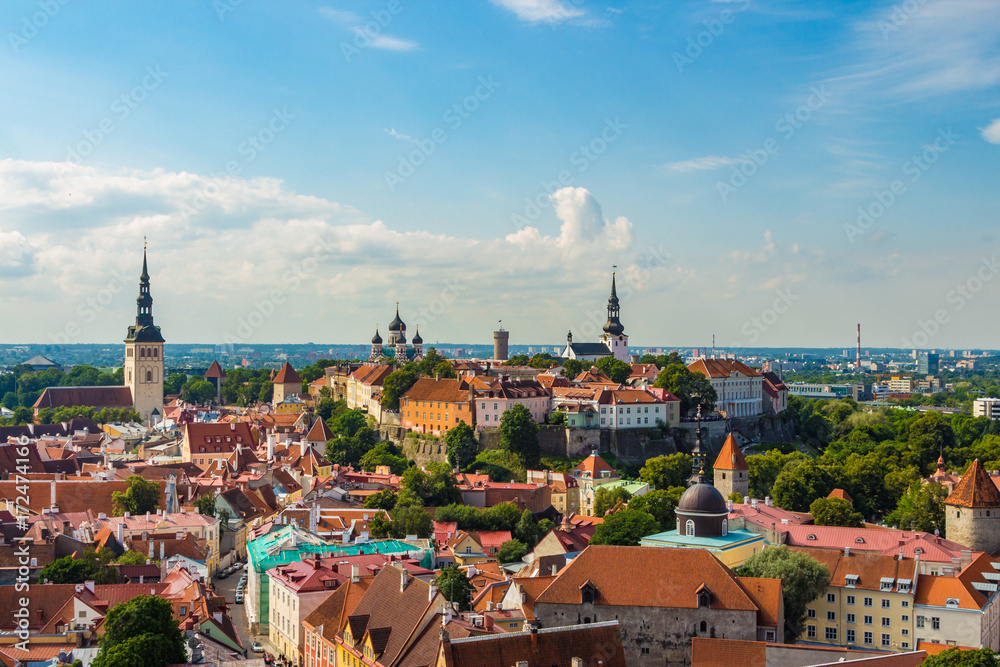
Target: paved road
x=237, y=612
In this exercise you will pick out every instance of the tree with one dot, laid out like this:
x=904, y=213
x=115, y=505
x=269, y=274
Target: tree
x=381, y=500
x=764, y=470
x=605, y=498
x=395, y=385
x=557, y=418
x=661, y=504
x=663, y=472
x=796, y=487
x=173, y=383
x=384, y=454
x=615, y=369
x=131, y=558
x=444, y=369
x=462, y=445
x=206, y=504
x=803, y=579
x=348, y=450
x=434, y=487
x=835, y=512
x=141, y=633
x=519, y=434
x=573, y=367
x=67, y=570
x=502, y=516
x=625, y=528
x=736, y=497
x=958, y=657
x=349, y=423
x=455, y=586
x=512, y=551
x=198, y=391
x=527, y=529
x=140, y=497
x=921, y=508
x=693, y=389
x=411, y=520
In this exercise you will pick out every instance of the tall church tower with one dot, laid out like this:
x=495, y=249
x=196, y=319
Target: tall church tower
x=614, y=336
x=144, y=356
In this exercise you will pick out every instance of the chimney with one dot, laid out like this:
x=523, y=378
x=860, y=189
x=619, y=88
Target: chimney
x=900, y=554
x=89, y=585
x=355, y=574
x=121, y=533
x=768, y=501
x=431, y=592
x=966, y=558
x=162, y=549
x=151, y=546
x=403, y=580
x=729, y=505
x=847, y=552
x=471, y=571
x=553, y=569
x=576, y=662
x=489, y=605
x=534, y=637
x=52, y=493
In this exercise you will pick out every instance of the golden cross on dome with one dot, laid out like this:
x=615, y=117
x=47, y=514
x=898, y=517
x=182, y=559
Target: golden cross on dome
x=144, y=244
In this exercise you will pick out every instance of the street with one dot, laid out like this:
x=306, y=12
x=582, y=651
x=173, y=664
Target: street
x=237, y=612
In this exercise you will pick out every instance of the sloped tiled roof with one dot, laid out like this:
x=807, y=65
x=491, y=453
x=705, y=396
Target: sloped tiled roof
x=622, y=577
x=594, y=643
x=976, y=489
x=594, y=464
x=444, y=390
x=766, y=594
x=730, y=456
x=215, y=371
x=287, y=375
x=320, y=432
x=59, y=397
x=870, y=569
x=840, y=493
x=706, y=652
x=721, y=368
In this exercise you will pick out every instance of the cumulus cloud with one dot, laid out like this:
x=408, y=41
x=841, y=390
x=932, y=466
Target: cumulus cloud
x=218, y=245
x=991, y=132
x=540, y=11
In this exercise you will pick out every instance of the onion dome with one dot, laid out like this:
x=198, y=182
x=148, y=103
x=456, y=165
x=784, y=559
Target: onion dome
x=397, y=324
x=417, y=340
x=376, y=339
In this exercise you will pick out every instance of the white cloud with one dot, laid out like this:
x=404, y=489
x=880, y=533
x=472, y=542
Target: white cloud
x=256, y=236
x=539, y=11
x=708, y=162
x=340, y=16
x=991, y=132
x=389, y=43
x=371, y=36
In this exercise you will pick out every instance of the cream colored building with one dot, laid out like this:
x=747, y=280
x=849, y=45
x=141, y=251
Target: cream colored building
x=868, y=604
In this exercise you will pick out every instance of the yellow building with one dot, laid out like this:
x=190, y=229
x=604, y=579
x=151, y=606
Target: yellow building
x=868, y=602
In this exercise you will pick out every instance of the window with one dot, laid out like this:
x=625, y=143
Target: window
x=811, y=631
x=869, y=620
x=904, y=644
x=850, y=618
x=935, y=622
x=689, y=527
x=886, y=622
x=850, y=636
x=868, y=602
x=904, y=603
x=811, y=613
x=905, y=632
x=905, y=618
x=850, y=599
x=886, y=639
x=869, y=638
x=831, y=597
x=920, y=621
x=831, y=616
x=831, y=634
x=886, y=603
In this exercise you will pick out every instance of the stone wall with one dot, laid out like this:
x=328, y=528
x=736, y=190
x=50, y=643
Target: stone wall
x=665, y=632
x=424, y=450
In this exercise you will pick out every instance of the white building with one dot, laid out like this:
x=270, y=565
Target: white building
x=986, y=407
x=740, y=389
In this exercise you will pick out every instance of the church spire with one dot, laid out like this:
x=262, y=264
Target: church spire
x=144, y=328
x=613, y=326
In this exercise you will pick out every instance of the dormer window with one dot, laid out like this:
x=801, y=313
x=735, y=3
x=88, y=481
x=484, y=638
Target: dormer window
x=851, y=580
x=951, y=602
x=587, y=593
x=859, y=540
x=704, y=597
x=885, y=583
x=810, y=536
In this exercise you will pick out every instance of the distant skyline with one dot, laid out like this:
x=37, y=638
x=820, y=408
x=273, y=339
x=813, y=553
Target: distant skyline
x=767, y=172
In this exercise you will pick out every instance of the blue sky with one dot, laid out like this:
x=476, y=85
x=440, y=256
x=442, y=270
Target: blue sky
x=717, y=152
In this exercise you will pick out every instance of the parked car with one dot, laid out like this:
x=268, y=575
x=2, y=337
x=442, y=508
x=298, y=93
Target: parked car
x=239, y=597
x=257, y=647
x=223, y=574
x=268, y=659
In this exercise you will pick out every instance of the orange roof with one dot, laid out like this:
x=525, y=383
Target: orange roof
x=320, y=432
x=215, y=371
x=840, y=493
x=936, y=591
x=594, y=464
x=932, y=648
x=721, y=368
x=707, y=652
x=730, y=457
x=287, y=375
x=976, y=489
x=444, y=390
x=766, y=594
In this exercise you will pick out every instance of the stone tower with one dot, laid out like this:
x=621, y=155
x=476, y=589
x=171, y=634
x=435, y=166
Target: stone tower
x=731, y=472
x=287, y=383
x=144, y=356
x=614, y=335
x=972, y=511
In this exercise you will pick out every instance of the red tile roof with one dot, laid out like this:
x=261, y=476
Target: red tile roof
x=707, y=652
x=287, y=375
x=595, y=643
x=215, y=371
x=730, y=456
x=721, y=368
x=320, y=432
x=96, y=397
x=976, y=489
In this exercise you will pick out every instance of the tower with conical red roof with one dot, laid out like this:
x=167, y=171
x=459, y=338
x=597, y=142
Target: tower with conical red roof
x=972, y=511
x=731, y=474
x=144, y=355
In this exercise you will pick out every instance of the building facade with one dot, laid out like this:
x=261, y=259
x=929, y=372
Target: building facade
x=739, y=388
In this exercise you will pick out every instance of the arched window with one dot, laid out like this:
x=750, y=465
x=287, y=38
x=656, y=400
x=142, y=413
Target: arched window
x=704, y=627
x=142, y=353
x=690, y=527
x=156, y=353
x=725, y=527
x=149, y=376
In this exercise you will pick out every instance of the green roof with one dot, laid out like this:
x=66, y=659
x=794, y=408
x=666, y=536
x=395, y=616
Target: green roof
x=736, y=537
x=279, y=542
x=631, y=486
